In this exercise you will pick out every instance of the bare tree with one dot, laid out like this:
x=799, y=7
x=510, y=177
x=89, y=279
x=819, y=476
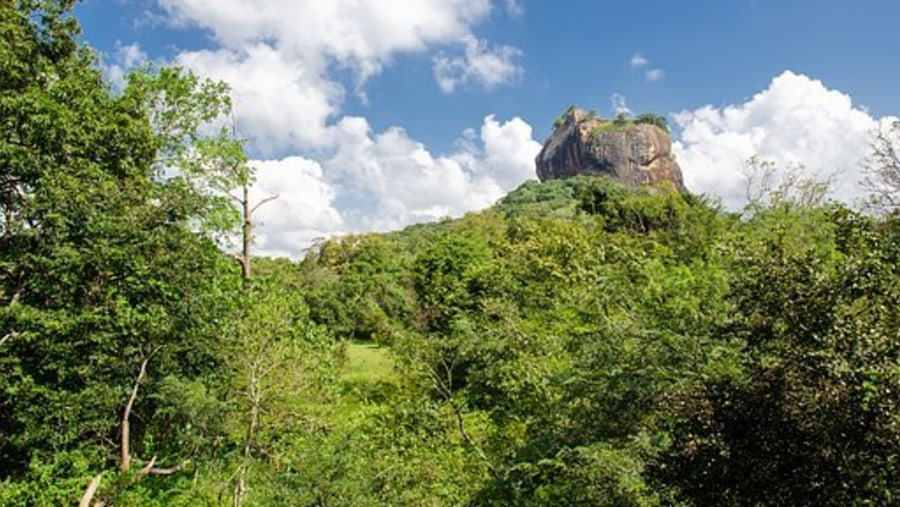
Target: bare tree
x=247, y=209
x=766, y=184
x=882, y=169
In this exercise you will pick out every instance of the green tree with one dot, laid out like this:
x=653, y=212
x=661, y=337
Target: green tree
x=280, y=361
x=108, y=289
x=813, y=419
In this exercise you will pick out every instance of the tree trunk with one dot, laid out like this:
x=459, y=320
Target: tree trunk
x=255, y=398
x=246, y=233
x=90, y=491
x=125, y=454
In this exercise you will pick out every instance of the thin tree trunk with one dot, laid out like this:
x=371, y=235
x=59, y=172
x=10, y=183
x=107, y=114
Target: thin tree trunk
x=246, y=233
x=244, y=258
x=90, y=491
x=255, y=399
x=8, y=336
x=247, y=212
x=125, y=456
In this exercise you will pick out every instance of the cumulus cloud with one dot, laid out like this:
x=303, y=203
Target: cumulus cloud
x=303, y=210
x=507, y=154
x=486, y=65
x=281, y=57
x=619, y=104
x=126, y=58
x=360, y=35
x=278, y=103
x=363, y=33
x=384, y=181
x=796, y=120
x=388, y=180
x=287, y=63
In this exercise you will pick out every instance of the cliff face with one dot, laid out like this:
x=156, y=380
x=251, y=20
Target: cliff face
x=632, y=152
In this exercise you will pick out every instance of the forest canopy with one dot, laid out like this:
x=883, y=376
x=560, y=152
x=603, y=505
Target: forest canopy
x=581, y=342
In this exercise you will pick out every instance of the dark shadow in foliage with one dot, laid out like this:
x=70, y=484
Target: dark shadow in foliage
x=814, y=420
x=747, y=446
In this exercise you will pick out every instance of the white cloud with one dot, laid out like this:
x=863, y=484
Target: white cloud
x=384, y=181
x=284, y=60
x=279, y=104
x=638, y=61
x=362, y=35
x=508, y=152
x=388, y=180
x=619, y=104
x=282, y=57
x=651, y=75
x=125, y=59
x=654, y=75
x=796, y=120
x=482, y=64
x=514, y=8
x=303, y=211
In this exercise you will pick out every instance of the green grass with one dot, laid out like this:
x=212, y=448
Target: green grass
x=367, y=362
x=612, y=126
x=368, y=372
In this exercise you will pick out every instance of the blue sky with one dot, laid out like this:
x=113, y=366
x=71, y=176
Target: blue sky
x=372, y=114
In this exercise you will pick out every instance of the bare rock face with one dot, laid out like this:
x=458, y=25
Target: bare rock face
x=635, y=152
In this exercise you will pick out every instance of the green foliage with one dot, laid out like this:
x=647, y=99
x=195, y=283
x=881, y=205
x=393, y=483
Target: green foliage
x=562, y=118
x=357, y=288
x=623, y=122
x=58, y=480
x=554, y=197
x=815, y=312
x=596, y=475
x=610, y=345
x=580, y=343
x=447, y=280
x=653, y=119
x=101, y=265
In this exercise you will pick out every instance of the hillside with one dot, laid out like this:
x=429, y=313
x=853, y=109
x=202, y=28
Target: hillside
x=610, y=345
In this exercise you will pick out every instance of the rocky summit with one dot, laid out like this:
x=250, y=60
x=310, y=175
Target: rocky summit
x=636, y=151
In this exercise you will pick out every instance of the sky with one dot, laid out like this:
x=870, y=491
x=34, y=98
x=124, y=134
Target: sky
x=369, y=115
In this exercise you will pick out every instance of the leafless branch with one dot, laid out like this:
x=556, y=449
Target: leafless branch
x=8, y=336
x=125, y=457
x=90, y=491
x=264, y=201
x=169, y=471
x=148, y=467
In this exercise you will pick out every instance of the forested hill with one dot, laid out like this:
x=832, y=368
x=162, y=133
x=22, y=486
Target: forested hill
x=603, y=345
x=579, y=343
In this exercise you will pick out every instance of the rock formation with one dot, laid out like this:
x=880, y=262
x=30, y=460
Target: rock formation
x=633, y=151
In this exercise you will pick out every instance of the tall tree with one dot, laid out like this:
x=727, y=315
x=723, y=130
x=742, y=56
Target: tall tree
x=107, y=286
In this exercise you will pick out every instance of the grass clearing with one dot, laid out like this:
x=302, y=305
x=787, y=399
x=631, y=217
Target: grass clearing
x=368, y=372
x=367, y=362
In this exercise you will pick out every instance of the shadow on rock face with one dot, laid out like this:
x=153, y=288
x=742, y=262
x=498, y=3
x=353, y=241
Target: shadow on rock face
x=633, y=151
